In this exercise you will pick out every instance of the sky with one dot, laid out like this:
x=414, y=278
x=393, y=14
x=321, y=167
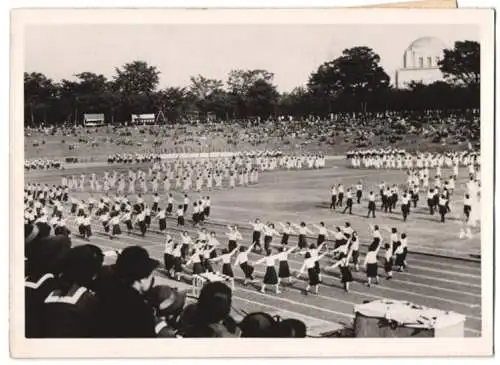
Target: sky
x=291, y=52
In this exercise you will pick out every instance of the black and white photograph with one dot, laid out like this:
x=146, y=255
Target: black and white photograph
x=323, y=175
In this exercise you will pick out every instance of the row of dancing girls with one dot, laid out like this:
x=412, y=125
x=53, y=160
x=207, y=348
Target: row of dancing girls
x=185, y=252
x=203, y=255
x=287, y=229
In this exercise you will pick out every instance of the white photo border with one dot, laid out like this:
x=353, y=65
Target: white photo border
x=243, y=348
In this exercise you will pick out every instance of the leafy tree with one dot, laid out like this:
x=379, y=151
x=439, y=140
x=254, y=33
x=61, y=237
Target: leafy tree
x=137, y=78
x=202, y=90
x=462, y=64
x=356, y=73
x=38, y=92
x=261, y=99
x=239, y=81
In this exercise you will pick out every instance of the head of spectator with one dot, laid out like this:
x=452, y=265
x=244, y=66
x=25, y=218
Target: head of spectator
x=210, y=317
x=35, y=232
x=70, y=309
x=135, y=268
x=168, y=302
x=80, y=266
x=45, y=255
x=124, y=311
x=291, y=328
x=259, y=324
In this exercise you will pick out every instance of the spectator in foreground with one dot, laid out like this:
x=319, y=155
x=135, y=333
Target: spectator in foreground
x=70, y=309
x=263, y=325
x=259, y=324
x=42, y=265
x=209, y=317
x=123, y=310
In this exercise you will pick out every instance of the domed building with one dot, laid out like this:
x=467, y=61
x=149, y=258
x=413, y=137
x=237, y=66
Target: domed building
x=420, y=62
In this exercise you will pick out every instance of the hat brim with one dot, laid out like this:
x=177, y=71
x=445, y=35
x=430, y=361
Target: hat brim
x=152, y=264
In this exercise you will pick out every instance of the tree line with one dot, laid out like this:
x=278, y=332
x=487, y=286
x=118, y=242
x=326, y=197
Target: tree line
x=353, y=82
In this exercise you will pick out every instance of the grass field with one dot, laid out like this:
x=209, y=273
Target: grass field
x=433, y=280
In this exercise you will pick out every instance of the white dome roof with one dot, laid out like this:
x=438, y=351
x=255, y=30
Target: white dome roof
x=428, y=43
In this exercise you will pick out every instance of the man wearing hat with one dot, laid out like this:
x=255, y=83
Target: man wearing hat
x=123, y=310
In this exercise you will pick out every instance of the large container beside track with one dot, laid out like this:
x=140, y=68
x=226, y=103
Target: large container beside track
x=390, y=318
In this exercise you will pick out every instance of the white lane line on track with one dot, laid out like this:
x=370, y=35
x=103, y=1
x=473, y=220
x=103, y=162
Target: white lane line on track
x=363, y=293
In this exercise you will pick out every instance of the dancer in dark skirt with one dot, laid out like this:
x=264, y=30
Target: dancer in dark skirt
x=467, y=207
x=206, y=207
x=196, y=260
x=176, y=253
x=156, y=200
x=168, y=257
x=339, y=237
x=371, y=205
x=388, y=260
x=242, y=261
x=170, y=204
x=345, y=271
x=115, y=224
x=269, y=232
x=180, y=216
x=201, y=212
x=87, y=224
x=284, y=268
x=257, y=231
x=227, y=268
x=314, y=254
x=270, y=277
x=286, y=230
x=371, y=264
x=147, y=216
x=405, y=206
x=310, y=266
x=140, y=220
x=377, y=237
x=214, y=243
x=186, y=243
x=234, y=236
x=354, y=250
x=303, y=232
x=322, y=234
x=207, y=255
x=196, y=214
x=401, y=253
x=162, y=220
x=81, y=226
x=443, y=207
x=127, y=219
x=348, y=203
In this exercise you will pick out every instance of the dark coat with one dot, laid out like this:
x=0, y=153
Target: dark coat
x=123, y=312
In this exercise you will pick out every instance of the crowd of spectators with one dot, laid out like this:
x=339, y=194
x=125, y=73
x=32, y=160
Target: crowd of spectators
x=74, y=292
x=351, y=130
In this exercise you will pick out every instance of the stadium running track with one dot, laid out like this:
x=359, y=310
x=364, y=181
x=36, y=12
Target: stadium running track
x=432, y=281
